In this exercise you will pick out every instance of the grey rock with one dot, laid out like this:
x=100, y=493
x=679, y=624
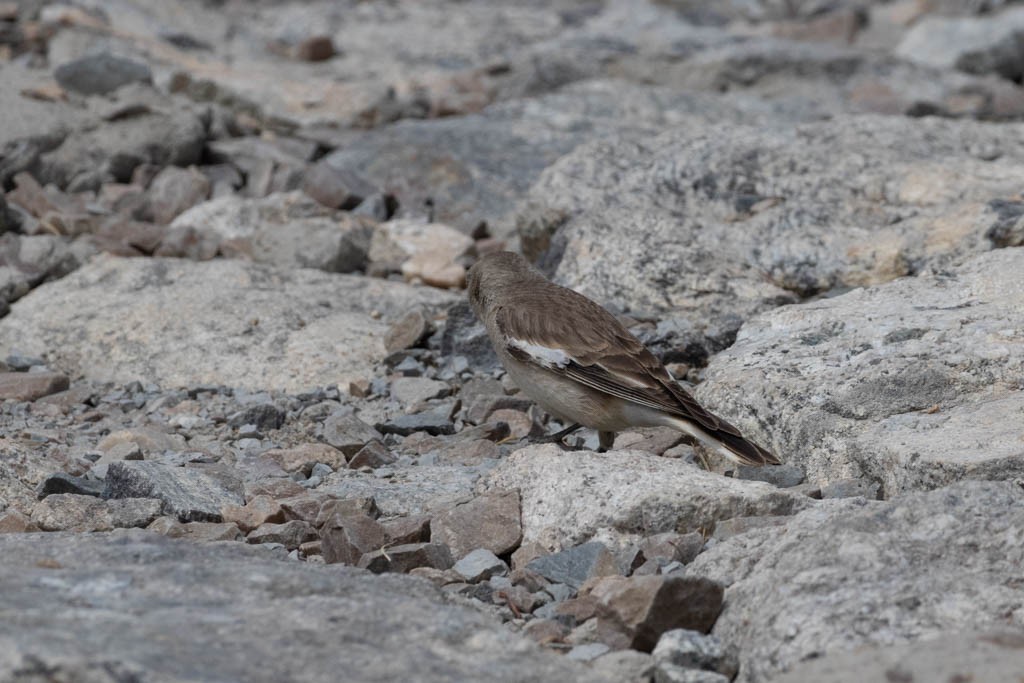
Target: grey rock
x=570, y=497
x=188, y=493
x=334, y=188
x=154, y=307
x=849, y=488
x=784, y=476
x=435, y=421
x=113, y=150
x=346, y=537
x=989, y=44
x=402, y=558
x=173, y=191
x=71, y=512
x=99, y=74
x=285, y=229
x=490, y=521
x=480, y=565
x=625, y=665
x=61, y=482
x=859, y=573
x=374, y=454
x=262, y=416
x=492, y=158
x=289, y=534
x=574, y=566
x=587, y=652
x=185, y=595
x=464, y=335
x=128, y=513
x=927, y=394
x=412, y=391
x=29, y=386
x=348, y=433
x=771, y=216
x=670, y=673
x=694, y=650
x=407, y=331
x=980, y=657
x=406, y=490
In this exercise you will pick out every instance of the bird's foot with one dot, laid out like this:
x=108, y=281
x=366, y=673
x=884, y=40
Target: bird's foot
x=557, y=437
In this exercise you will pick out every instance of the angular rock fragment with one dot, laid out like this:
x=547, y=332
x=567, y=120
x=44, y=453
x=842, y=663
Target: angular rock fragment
x=187, y=493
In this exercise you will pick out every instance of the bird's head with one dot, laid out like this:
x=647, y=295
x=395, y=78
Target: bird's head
x=494, y=273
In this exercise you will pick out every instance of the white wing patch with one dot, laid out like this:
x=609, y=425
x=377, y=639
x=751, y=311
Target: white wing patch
x=542, y=355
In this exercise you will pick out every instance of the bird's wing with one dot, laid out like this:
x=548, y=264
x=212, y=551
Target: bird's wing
x=568, y=334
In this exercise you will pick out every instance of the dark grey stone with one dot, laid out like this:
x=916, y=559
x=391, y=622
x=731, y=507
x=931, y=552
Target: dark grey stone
x=188, y=493
x=67, y=598
x=464, y=335
x=575, y=565
x=61, y=482
x=403, y=558
x=99, y=74
x=436, y=421
x=264, y=415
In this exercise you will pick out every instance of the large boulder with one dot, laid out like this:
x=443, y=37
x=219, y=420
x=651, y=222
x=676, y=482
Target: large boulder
x=912, y=384
x=854, y=573
x=621, y=496
x=65, y=598
x=704, y=227
x=229, y=322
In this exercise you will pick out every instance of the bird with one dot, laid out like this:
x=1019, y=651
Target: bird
x=579, y=363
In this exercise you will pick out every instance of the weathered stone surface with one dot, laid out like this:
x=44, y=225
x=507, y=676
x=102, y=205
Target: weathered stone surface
x=990, y=44
x=706, y=227
x=61, y=482
x=407, y=331
x=288, y=230
x=13, y=522
x=475, y=169
x=171, y=322
x=979, y=657
x=575, y=566
x=129, y=513
x=29, y=386
x=289, y=534
x=99, y=74
x=373, y=455
x=412, y=391
x=175, y=190
x=257, y=511
x=346, y=537
x=402, y=558
x=645, y=607
x=408, y=490
x=71, y=512
x=190, y=494
x=200, y=532
x=480, y=565
x=303, y=457
x=348, y=433
x=490, y=521
x=570, y=497
x=184, y=596
x=853, y=573
x=927, y=393
x=335, y=189
x=694, y=650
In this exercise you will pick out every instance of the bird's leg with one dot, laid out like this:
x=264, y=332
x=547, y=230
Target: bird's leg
x=606, y=440
x=558, y=436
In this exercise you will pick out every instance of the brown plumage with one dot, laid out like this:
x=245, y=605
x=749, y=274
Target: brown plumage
x=579, y=363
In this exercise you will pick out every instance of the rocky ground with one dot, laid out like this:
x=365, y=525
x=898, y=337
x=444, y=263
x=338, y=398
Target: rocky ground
x=250, y=429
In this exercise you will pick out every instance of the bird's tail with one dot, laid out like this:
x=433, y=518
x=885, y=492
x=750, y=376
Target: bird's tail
x=727, y=442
